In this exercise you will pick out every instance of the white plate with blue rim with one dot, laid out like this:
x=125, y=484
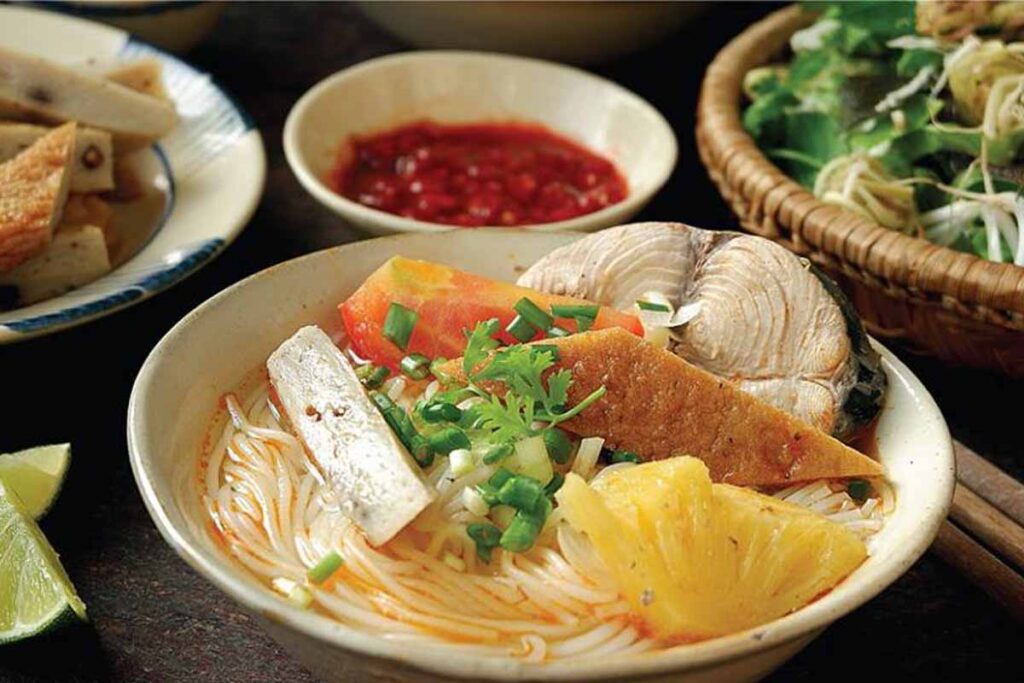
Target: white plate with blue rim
x=202, y=181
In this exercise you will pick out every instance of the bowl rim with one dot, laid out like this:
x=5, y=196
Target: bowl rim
x=634, y=200
x=803, y=623
x=769, y=202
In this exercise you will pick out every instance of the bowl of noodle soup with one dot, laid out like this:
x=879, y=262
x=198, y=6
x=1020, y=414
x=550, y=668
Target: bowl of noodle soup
x=199, y=412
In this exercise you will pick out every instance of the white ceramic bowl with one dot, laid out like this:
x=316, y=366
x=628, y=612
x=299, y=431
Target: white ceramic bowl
x=577, y=32
x=213, y=348
x=467, y=87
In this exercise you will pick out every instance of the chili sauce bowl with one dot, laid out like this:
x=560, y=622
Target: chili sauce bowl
x=218, y=345
x=475, y=87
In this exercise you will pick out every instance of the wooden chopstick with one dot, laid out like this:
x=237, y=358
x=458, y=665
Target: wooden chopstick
x=983, y=538
x=991, y=483
x=990, y=526
x=981, y=567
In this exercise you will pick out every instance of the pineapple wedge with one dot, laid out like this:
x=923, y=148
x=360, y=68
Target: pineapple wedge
x=698, y=560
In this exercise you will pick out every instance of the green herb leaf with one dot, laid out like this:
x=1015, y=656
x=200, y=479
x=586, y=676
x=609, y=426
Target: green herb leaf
x=480, y=343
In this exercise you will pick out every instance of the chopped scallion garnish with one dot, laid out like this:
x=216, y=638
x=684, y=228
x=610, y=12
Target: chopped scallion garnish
x=651, y=306
x=558, y=332
x=415, y=365
x=326, y=567
x=858, y=489
x=533, y=314
x=575, y=310
x=583, y=324
x=372, y=376
x=624, y=456
x=521, y=329
x=448, y=439
x=522, y=493
x=399, y=323
x=486, y=537
x=438, y=411
x=439, y=374
x=558, y=445
x=555, y=484
x=498, y=453
x=461, y=462
x=404, y=429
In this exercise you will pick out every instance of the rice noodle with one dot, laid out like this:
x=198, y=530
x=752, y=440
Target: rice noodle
x=277, y=518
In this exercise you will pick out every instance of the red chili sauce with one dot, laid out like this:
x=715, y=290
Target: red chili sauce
x=476, y=174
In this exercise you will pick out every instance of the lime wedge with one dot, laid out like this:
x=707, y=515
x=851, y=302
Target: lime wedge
x=36, y=475
x=35, y=593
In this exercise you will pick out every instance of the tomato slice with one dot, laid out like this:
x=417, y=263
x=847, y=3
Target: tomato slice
x=448, y=302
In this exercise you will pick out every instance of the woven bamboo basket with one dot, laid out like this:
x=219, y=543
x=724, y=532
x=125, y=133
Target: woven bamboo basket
x=933, y=299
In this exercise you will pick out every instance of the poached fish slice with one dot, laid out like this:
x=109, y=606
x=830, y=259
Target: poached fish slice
x=33, y=189
x=765, y=318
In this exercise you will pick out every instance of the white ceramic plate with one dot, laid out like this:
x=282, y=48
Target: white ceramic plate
x=215, y=346
x=210, y=170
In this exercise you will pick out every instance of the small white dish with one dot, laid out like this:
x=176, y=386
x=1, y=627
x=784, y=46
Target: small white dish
x=210, y=170
x=215, y=347
x=469, y=87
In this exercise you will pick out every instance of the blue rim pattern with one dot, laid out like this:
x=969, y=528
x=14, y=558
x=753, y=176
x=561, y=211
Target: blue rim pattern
x=193, y=144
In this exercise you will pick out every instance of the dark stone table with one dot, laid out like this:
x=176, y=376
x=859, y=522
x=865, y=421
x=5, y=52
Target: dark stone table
x=153, y=619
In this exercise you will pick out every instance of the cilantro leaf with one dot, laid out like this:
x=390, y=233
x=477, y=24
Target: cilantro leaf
x=558, y=390
x=480, y=343
x=508, y=420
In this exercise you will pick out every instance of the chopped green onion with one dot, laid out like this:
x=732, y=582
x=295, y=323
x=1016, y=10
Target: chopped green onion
x=454, y=561
x=555, y=484
x=474, y=502
x=448, y=439
x=859, y=489
x=558, y=332
x=521, y=329
x=558, y=445
x=502, y=515
x=486, y=537
x=575, y=310
x=326, y=567
x=625, y=456
x=461, y=461
x=441, y=412
x=499, y=478
x=651, y=306
x=296, y=593
x=531, y=459
x=533, y=314
x=372, y=376
x=520, y=535
x=498, y=453
x=522, y=493
x=399, y=323
x=415, y=365
x=421, y=451
x=583, y=324
x=402, y=426
x=439, y=374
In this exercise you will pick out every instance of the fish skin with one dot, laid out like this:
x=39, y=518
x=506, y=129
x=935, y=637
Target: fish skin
x=33, y=189
x=658, y=405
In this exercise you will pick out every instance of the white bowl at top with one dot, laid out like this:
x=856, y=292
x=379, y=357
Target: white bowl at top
x=215, y=347
x=472, y=87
